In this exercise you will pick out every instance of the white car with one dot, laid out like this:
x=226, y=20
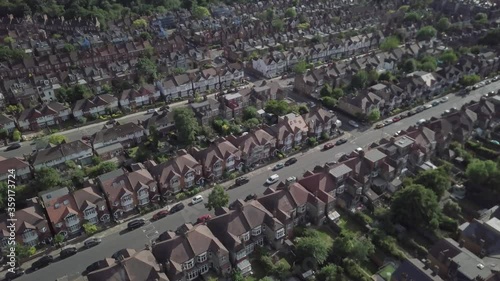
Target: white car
x=427, y=106
x=152, y=110
x=445, y=99
x=272, y=179
x=291, y=179
x=353, y=123
x=197, y=199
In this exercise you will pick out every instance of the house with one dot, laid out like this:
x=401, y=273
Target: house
x=257, y=146
x=110, y=151
x=163, y=122
x=361, y=104
x=414, y=269
x=233, y=105
x=7, y=123
x=55, y=155
x=241, y=230
x=320, y=121
x=43, y=116
x=219, y=158
x=206, y=111
x=125, y=191
x=291, y=131
x=138, y=266
x=31, y=227
x=63, y=214
x=179, y=86
x=96, y=106
x=191, y=253
x=128, y=134
x=178, y=173
x=482, y=237
x=22, y=169
x=132, y=98
x=91, y=204
x=269, y=66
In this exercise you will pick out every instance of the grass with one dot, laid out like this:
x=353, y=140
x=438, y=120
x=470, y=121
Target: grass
x=387, y=271
x=132, y=152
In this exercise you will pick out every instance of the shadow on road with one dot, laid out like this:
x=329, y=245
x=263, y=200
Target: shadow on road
x=124, y=231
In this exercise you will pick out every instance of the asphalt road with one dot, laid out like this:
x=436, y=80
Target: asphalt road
x=116, y=238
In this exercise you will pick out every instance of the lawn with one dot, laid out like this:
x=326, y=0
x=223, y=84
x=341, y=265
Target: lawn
x=387, y=271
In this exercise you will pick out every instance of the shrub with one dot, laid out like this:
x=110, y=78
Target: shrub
x=180, y=196
x=363, y=218
x=89, y=228
x=355, y=271
x=448, y=224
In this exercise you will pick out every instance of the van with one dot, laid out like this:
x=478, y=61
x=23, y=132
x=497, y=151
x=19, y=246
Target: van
x=197, y=199
x=272, y=179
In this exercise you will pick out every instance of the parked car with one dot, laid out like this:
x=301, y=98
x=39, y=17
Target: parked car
x=444, y=99
x=291, y=161
x=397, y=133
x=197, y=199
x=278, y=166
x=328, y=146
x=13, y=146
x=68, y=252
x=272, y=179
x=241, y=181
x=111, y=122
x=388, y=122
x=420, y=109
x=446, y=112
x=411, y=112
x=176, y=208
x=86, y=137
x=435, y=103
x=379, y=126
x=16, y=272
x=495, y=142
x=204, y=218
x=42, y=262
x=396, y=119
x=353, y=123
x=250, y=197
x=421, y=121
x=96, y=266
x=94, y=241
x=291, y=179
x=341, y=141
x=161, y=214
x=331, y=163
x=404, y=114
x=427, y=106
x=134, y=224
x=150, y=111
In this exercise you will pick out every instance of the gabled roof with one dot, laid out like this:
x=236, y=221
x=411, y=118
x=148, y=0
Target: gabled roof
x=60, y=151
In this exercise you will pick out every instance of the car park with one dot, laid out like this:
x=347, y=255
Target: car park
x=291, y=161
x=68, y=252
x=161, y=214
x=176, y=208
x=135, y=224
x=278, y=166
x=42, y=262
x=197, y=199
x=241, y=181
x=272, y=179
x=328, y=146
x=340, y=141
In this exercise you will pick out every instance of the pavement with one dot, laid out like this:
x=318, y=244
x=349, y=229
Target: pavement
x=118, y=238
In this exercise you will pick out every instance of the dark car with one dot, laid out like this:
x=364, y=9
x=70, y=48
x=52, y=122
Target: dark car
x=420, y=109
x=241, y=181
x=111, y=122
x=13, y=146
x=68, y=252
x=291, y=161
x=250, y=197
x=42, y=262
x=177, y=208
x=341, y=141
x=135, y=224
x=161, y=214
x=91, y=242
x=411, y=112
x=11, y=275
x=96, y=266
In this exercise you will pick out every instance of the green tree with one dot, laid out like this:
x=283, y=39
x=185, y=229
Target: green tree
x=469, y=80
x=250, y=112
x=277, y=107
x=480, y=172
x=337, y=93
x=428, y=63
x=251, y=123
x=452, y=209
x=15, y=109
x=23, y=251
x=386, y=76
x=359, y=80
x=417, y=207
x=374, y=115
x=282, y=269
x=140, y=23
x=200, y=12
x=348, y=245
x=57, y=139
x=328, y=272
x=300, y=67
x=390, y=43
x=326, y=91
x=290, y=12
x=373, y=76
x=186, y=124
x=448, y=57
x=410, y=65
x=16, y=135
x=436, y=180
x=218, y=198
x=89, y=228
x=278, y=24
x=313, y=247
x=69, y=48
x=412, y=17
x=154, y=137
x=148, y=67
x=443, y=24
x=481, y=18
x=8, y=40
x=426, y=33
x=329, y=102
x=47, y=178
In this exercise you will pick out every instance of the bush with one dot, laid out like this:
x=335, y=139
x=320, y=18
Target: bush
x=448, y=224
x=363, y=218
x=411, y=244
x=355, y=271
x=387, y=244
x=90, y=228
x=16, y=135
x=180, y=196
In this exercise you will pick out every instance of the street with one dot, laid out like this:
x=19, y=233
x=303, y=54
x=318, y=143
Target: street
x=116, y=238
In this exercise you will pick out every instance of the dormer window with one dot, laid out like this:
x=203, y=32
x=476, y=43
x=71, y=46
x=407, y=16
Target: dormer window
x=340, y=189
x=202, y=257
x=245, y=236
x=302, y=209
x=257, y=231
x=188, y=265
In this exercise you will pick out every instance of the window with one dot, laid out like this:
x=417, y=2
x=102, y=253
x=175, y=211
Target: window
x=59, y=225
x=280, y=233
x=260, y=242
x=249, y=248
x=202, y=257
x=256, y=231
x=302, y=208
x=204, y=269
x=245, y=236
x=192, y=275
x=189, y=264
x=241, y=254
x=340, y=189
x=222, y=259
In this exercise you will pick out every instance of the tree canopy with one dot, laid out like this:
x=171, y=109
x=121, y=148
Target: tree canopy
x=374, y=115
x=426, y=33
x=443, y=24
x=186, y=124
x=416, y=206
x=390, y=43
x=351, y=246
x=437, y=180
x=47, y=178
x=218, y=198
x=313, y=245
x=200, y=12
x=57, y=139
x=469, y=80
x=300, y=67
x=359, y=80
x=485, y=173
x=277, y=107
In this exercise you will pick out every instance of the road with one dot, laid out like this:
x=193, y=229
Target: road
x=116, y=239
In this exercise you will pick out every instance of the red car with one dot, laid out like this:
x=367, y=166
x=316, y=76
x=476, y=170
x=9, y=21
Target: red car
x=161, y=214
x=396, y=119
x=328, y=146
x=203, y=218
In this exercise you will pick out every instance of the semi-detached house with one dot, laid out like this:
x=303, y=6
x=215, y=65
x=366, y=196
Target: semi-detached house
x=95, y=106
x=127, y=134
x=40, y=117
x=55, y=155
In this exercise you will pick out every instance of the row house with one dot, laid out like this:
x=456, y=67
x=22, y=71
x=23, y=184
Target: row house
x=241, y=230
x=125, y=191
x=291, y=131
x=190, y=253
x=7, y=123
x=22, y=169
x=178, y=173
x=34, y=119
x=414, y=269
x=133, y=98
x=178, y=86
x=164, y=122
x=269, y=67
x=320, y=121
x=205, y=80
x=219, y=158
x=361, y=104
x=232, y=106
x=393, y=96
x=132, y=266
x=257, y=146
x=31, y=228
x=67, y=212
x=94, y=107
x=46, y=87
x=128, y=134
x=206, y=111
x=56, y=155
x=259, y=95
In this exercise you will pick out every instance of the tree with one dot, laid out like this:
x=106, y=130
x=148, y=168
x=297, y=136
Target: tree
x=59, y=238
x=282, y=269
x=312, y=247
x=186, y=124
x=200, y=12
x=277, y=107
x=412, y=17
x=14, y=109
x=469, y=80
x=69, y=48
x=374, y=115
x=303, y=109
x=89, y=228
x=417, y=207
x=329, y=102
x=154, y=136
x=359, y=80
x=250, y=112
x=436, y=180
x=8, y=40
x=448, y=57
x=218, y=198
x=300, y=67
x=443, y=24
x=348, y=245
x=57, y=139
x=47, y=178
x=23, y=251
x=140, y=23
x=148, y=67
x=386, y=76
x=326, y=91
x=290, y=12
x=426, y=33
x=492, y=38
x=16, y=135
x=337, y=93
x=327, y=273
x=251, y=123
x=428, y=63
x=481, y=18
x=480, y=172
x=373, y=76
x=390, y=43
x=452, y=209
